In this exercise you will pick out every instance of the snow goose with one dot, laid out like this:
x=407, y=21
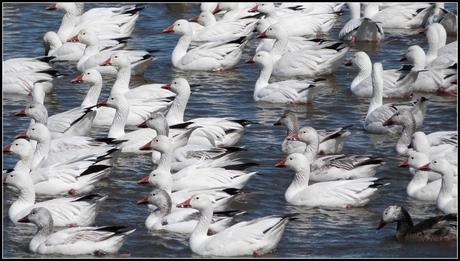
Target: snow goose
x=378, y=113
x=331, y=141
x=334, y=167
x=287, y=92
x=256, y=237
x=328, y=194
x=447, y=200
x=193, y=176
x=224, y=131
x=303, y=62
x=65, y=211
x=419, y=187
x=108, y=23
x=127, y=142
x=180, y=221
x=73, y=241
x=50, y=151
x=435, y=229
x=402, y=17
x=440, y=55
x=429, y=79
x=73, y=51
x=235, y=11
x=222, y=31
x=93, y=58
x=362, y=29
x=206, y=57
x=445, y=17
x=407, y=121
x=447, y=149
x=74, y=177
x=297, y=23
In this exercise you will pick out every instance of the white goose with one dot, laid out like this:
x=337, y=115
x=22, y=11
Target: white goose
x=224, y=131
x=222, y=31
x=445, y=17
x=362, y=29
x=255, y=237
x=74, y=177
x=234, y=11
x=419, y=187
x=180, y=221
x=127, y=142
x=334, y=167
x=287, y=92
x=193, y=176
x=303, y=62
x=447, y=200
x=331, y=141
x=94, y=58
x=206, y=57
x=313, y=8
x=378, y=113
x=20, y=75
x=73, y=51
x=329, y=194
x=447, y=148
x=73, y=241
x=109, y=23
x=402, y=16
x=440, y=55
x=65, y=211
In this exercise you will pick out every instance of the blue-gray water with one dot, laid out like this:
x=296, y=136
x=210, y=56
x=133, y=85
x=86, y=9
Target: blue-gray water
x=317, y=233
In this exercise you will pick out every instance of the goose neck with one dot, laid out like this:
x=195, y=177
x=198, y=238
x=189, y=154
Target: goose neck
x=365, y=71
x=176, y=111
x=200, y=232
x=117, y=129
x=404, y=224
x=121, y=85
x=93, y=95
x=299, y=183
x=180, y=50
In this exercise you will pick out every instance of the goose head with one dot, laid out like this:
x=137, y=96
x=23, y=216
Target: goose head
x=37, y=111
x=294, y=161
x=264, y=58
x=439, y=165
x=20, y=147
x=415, y=160
x=85, y=36
x=274, y=31
x=91, y=76
x=67, y=7
x=118, y=60
x=307, y=135
x=198, y=201
x=40, y=216
x=157, y=197
x=36, y=131
x=402, y=118
x=181, y=27
x=390, y=214
x=179, y=86
x=266, y=8
x=415, y=55
x=420, y=141
x=116, y=101
x=361, y=59
x=160, y=143
x=19, y=179
x=51, y=41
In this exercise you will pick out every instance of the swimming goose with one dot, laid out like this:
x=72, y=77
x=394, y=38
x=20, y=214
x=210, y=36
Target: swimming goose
x=362, y=29
x=94, y=58
x=334, y=167
x=108, y=23
x=331, y=141
x=407, y=121
x=73, y=241
x=328, y=194
x=74, y=177
x=180, y=221
x=395, y=82
x=256, y=237
x=440, y=55
x=303, y=62
x=378, y=113
x=288, y=91
x=206, y=57
x=402, y=16
x=73, y=51
x=435, y=229
x=65, y=211
x=224, y=131
x=193, y=176
x=222, y=31
x=446, y=149
x=447, y=200
x=419, y=187
x=445, y=17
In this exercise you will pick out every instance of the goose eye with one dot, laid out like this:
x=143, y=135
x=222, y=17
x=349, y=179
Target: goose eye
x=154, y=175
x=33, y=128
x=88, y=73
x=11, y=175
x=435, y=161
x=271, y=29
x=411, y=157
x=116, y=56
x=156, y=140
x=153, y=194
x=111, y=99
x=31, y=106
x=178, y=24
x=197, y=198
x=290, y=158
x=175, y=82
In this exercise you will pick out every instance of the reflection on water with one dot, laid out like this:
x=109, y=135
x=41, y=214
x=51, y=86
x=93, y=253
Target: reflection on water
x=316, y=232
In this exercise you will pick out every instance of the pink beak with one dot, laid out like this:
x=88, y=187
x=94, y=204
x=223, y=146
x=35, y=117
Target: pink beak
x=51, y=7
x=73, y=39
x=348, y=62
x=107, y=62
x=425, y=167
x=185, y=204
x=144, y=180
x=77, y=79
x=217, y=9
x=20, y=113
x=143, y=125
x=169, y=29
x=7, y=148
x=102, y=103
x=293, y=136
x=254, y=9
x=194, y=19
x=146, y=146
x=22, y=134
x=404, y=164
x=250, y=60
x=166, y=86
x=261, y=35
x=281, y=163
x=143, y=200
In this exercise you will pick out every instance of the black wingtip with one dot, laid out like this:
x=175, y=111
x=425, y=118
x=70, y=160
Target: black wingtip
x=89, y=197
x=94, y=169
x=109, y=140
x=229, y=213
x=231, y=191
x=180, y=125
x=146, y=57
x=243, y=122
x=51, y=72
x=334, y=46
x=45, y=59
x=114, y=229
x=241, y=166
x=133, y=11
x=231, y=149
x=238, y=41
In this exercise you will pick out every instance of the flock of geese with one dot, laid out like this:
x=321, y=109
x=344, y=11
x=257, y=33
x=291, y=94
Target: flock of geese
x=197, y=174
